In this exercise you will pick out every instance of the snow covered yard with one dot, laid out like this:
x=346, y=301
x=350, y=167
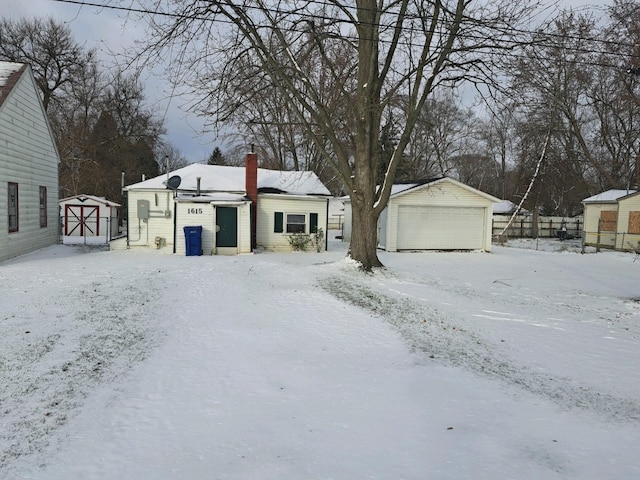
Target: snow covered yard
x=520, y=364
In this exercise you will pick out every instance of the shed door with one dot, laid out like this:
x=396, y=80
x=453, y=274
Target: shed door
x=440, y=228
x=82, y=220
x=227, y=223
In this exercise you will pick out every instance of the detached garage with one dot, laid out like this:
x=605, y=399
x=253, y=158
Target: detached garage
x=439, y=214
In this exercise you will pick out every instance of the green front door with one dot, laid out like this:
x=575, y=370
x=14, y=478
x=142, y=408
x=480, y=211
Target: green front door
x=227, y=223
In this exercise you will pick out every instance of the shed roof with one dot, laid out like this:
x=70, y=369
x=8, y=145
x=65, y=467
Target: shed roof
x=84, y=198
x=220, y=178
x=610, y=196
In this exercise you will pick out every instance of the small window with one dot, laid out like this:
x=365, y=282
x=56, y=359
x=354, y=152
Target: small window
x=13, y=210
x=43, y=207
x=296, y=223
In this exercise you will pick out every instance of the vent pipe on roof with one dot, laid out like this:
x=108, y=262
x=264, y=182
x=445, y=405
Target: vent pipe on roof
x=198, y=186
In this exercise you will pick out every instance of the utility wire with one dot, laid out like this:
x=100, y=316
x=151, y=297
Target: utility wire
x=499, y=30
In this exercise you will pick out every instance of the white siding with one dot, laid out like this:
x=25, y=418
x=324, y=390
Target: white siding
x=268, y=204
x=204, y=215
x=626, y=240
x=591, y=222
x=142, y=233
x=28, y=157
x=444, y=197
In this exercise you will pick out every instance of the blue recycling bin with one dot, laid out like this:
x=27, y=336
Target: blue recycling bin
x=193, y=240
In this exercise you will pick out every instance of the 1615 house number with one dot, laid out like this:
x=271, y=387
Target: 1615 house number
x=196, y=211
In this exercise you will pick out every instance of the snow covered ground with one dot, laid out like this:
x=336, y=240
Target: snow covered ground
x=521, y=363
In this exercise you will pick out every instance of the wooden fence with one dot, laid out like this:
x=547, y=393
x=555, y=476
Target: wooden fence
x=548, y=227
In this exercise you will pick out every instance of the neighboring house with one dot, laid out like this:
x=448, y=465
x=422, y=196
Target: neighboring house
x=88, y=219
x=238, y=208
x=438, y=214
x=612, y=219
x=28, y=166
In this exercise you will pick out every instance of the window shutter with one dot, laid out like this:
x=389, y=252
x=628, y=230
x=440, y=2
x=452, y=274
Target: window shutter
x=313, y=223
x=278, y=222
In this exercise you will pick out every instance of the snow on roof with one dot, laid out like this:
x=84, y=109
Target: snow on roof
x=82, y=198
x=610, y=196
x=506, y=206
x=217, y=178
x=401, y=187
x=7, y=71
x=213, y=197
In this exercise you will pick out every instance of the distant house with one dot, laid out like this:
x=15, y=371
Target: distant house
x=437, y=214
x=28, y=165
x=612, y=219
x=237, y=209
x=88, y=219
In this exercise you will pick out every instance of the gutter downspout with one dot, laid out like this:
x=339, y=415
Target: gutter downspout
x=175, y=223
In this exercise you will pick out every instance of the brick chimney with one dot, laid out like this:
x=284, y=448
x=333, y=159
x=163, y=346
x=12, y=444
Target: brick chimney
x=251, y=187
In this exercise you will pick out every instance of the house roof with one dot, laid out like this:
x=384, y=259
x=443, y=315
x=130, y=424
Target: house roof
x=404, y=187
x=10, y=73
x=401, y=189
x=507, y=207
x=610, y=196
x=83, y=198
x=219, y=178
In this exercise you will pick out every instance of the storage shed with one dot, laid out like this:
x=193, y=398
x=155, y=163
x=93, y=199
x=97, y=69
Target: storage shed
x=437, y=214
x=28, y=165
x=88, y=219
x=612, y=220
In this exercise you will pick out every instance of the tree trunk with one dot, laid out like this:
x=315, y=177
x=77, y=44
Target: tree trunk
x=364, y=236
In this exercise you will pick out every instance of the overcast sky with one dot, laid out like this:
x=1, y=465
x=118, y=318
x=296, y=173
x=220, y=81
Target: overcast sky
x=107, y=31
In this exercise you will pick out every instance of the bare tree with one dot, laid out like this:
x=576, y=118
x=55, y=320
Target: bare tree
x=49, y=47
x=400, y=49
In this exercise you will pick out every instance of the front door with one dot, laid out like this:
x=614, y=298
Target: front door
x=227, y=227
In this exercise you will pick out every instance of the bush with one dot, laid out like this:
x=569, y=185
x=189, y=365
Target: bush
x=299, y=241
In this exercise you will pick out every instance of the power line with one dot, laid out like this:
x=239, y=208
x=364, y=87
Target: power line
x=511, y=30
x=541, y=41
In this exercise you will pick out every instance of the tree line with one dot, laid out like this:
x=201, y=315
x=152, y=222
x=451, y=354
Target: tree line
x=99, y=117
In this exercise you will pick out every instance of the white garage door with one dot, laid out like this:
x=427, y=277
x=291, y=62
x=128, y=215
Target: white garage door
x=440, y=228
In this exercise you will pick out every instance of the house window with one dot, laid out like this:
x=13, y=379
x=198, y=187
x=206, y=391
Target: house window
x=296, y=223
x=13, y=207
x=43, y=207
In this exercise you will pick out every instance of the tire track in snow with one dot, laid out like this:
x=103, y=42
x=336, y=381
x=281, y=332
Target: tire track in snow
x=428, y=331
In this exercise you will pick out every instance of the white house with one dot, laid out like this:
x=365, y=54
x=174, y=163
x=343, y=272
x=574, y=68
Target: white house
x=88, y=219
x=612, y=220
x=439, y=214
x=230, y=209
x=28, y=165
